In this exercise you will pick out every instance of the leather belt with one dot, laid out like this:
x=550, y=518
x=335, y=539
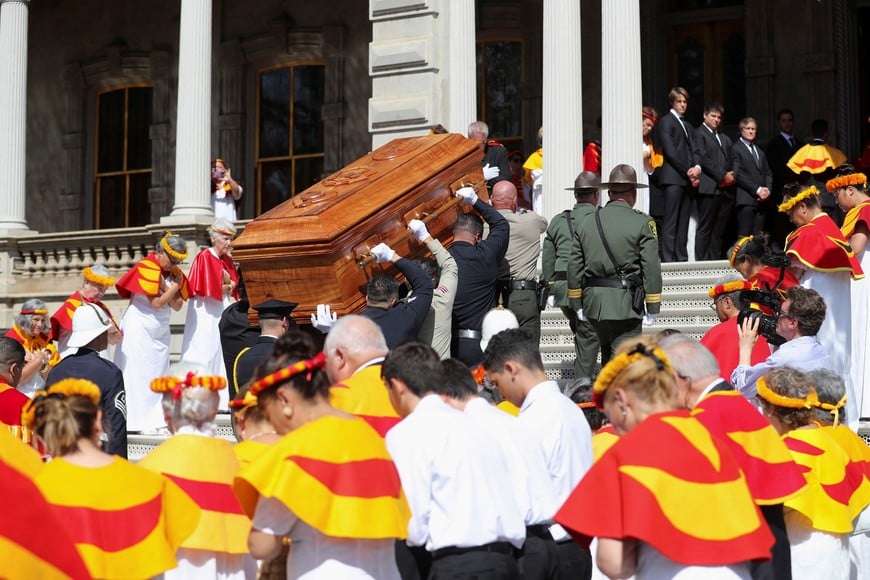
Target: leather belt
x=560, y=276
x=498, y=547
x=524, y=284
x=468, y=333
x=539, y=531
x=607, y=283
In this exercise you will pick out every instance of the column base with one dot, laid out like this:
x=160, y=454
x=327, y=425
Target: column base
x=15, y=230
x=204, y=217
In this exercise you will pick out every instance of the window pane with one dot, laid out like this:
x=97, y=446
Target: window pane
x=274, y=183
x=308, y=172
x=110, y=154
x=138, y=128
x=307, y=104
x=274, y=139
x=112, y=202
x=503, y=67
x=140, y=208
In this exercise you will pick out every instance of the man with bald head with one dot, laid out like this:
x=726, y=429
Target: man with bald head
x=479, y=262
x=355, y=348
x=518, y=273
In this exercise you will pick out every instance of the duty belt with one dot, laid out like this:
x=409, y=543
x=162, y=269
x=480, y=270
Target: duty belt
x=559, y=276
x=468, y=333
x=607, y=283
x=524, y=284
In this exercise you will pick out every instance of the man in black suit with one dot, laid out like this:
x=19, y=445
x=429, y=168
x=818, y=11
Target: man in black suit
x=754, y=180
x=696, y=374
x=274, y=321
x=678, y=177
x=779, y=150
x=715, y=199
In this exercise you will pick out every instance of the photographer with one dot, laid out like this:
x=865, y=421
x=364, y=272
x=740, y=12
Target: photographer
x=798, y=321
x=225, y=192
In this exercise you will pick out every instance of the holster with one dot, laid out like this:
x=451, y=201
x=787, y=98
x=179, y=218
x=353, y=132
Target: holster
x=543, y=293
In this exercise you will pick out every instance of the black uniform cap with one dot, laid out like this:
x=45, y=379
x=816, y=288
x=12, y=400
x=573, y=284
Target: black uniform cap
x=274, y=309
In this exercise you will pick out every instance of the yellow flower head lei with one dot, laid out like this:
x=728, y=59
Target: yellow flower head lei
x=729, y=287
x=619, y=363
x=176, y=385
x=740, y=243
x=61, y=389
x=766, y=393
x=845, y=181
x=282, y=375
x=174, y=254
x=221, y=231
x=787, y=206
x=95, y=278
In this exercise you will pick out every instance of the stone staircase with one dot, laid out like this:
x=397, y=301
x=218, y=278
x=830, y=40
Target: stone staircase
x=685, y=307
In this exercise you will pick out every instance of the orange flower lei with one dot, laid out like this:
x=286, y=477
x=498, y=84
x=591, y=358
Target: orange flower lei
x=282, y=375
x=95, y=278
x=175, y=385
x=727, y=287
x=479, y=373
x=737, y=247
x=787, y=206
x=174, y=254
x=64, y=388
x=766, y=393
x=845, y=181
x=244, y=403
x=619, y=363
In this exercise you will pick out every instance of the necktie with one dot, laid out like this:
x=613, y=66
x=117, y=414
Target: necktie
x=755, y=154
x=791, y=141
x=718, y=140
x=683, y=125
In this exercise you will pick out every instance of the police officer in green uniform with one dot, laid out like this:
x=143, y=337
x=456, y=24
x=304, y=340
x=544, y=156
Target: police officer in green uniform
x=614, y=268
x=555, y=254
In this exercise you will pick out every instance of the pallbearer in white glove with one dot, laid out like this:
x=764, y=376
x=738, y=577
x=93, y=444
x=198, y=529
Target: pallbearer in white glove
x=324, y=319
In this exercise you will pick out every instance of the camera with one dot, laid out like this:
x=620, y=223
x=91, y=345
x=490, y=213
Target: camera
x=750, y=300
x=217, y=174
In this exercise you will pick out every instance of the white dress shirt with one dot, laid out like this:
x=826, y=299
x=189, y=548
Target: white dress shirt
x=529, y=476
x=803, y=353
x=454, y=476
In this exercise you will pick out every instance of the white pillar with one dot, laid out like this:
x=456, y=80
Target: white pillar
x=621, y=103
x=462, y=82
x=193, y=128
x=13, y=114
x=562, y=104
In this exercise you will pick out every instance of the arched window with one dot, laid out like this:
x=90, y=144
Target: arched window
x=122, y=157
x=290, y=135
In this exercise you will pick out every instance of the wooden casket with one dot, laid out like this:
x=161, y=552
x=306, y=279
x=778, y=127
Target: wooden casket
x=314, y=247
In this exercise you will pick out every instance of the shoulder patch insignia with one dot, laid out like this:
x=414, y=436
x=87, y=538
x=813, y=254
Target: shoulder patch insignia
x=652, y=228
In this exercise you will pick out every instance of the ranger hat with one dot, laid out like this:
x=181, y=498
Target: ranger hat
x=622, y=179
x=586, y=181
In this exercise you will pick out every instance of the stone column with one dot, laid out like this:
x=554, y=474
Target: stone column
x=13, y=114
x=193, y=127
x=562, y=104
x=461, y=62
x=621, y=135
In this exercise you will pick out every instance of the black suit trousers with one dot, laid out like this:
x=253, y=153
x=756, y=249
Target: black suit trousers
x=750, y=221
x=714, y=212
x=674, y=236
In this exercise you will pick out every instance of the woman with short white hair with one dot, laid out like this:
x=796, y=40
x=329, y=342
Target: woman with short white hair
x=40, y=352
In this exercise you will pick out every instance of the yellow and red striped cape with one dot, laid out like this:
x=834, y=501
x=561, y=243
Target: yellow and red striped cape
x=248, y=451
x=602, y=440
x=668, y=482
x=35, y=343
x=125, y=521
x=770, y=470
x=820, y=246
x=859, y=213
x=62, y=318
x=363, y=394
x=33, y=541
x=858, y=453
x=204, y=467
x=534, y=161
x=144, y=278
x=335, y=475
x=837, y=490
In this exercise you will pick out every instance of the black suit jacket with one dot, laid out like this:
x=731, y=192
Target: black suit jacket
x=715, y=160
x=236, y=333
x=249, y=360
x=778, y=153
x=402, y=322
x=677, y=148
x=749, y=174
x=86, y=363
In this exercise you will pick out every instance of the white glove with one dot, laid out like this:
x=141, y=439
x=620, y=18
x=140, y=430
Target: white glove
x=649, y=319
x=536, y=174
x=580, y=315
x=383, y=253
x=490, y=172
x=551, y=301
x=324, y=319
x=468, y=195
x=419, y=230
